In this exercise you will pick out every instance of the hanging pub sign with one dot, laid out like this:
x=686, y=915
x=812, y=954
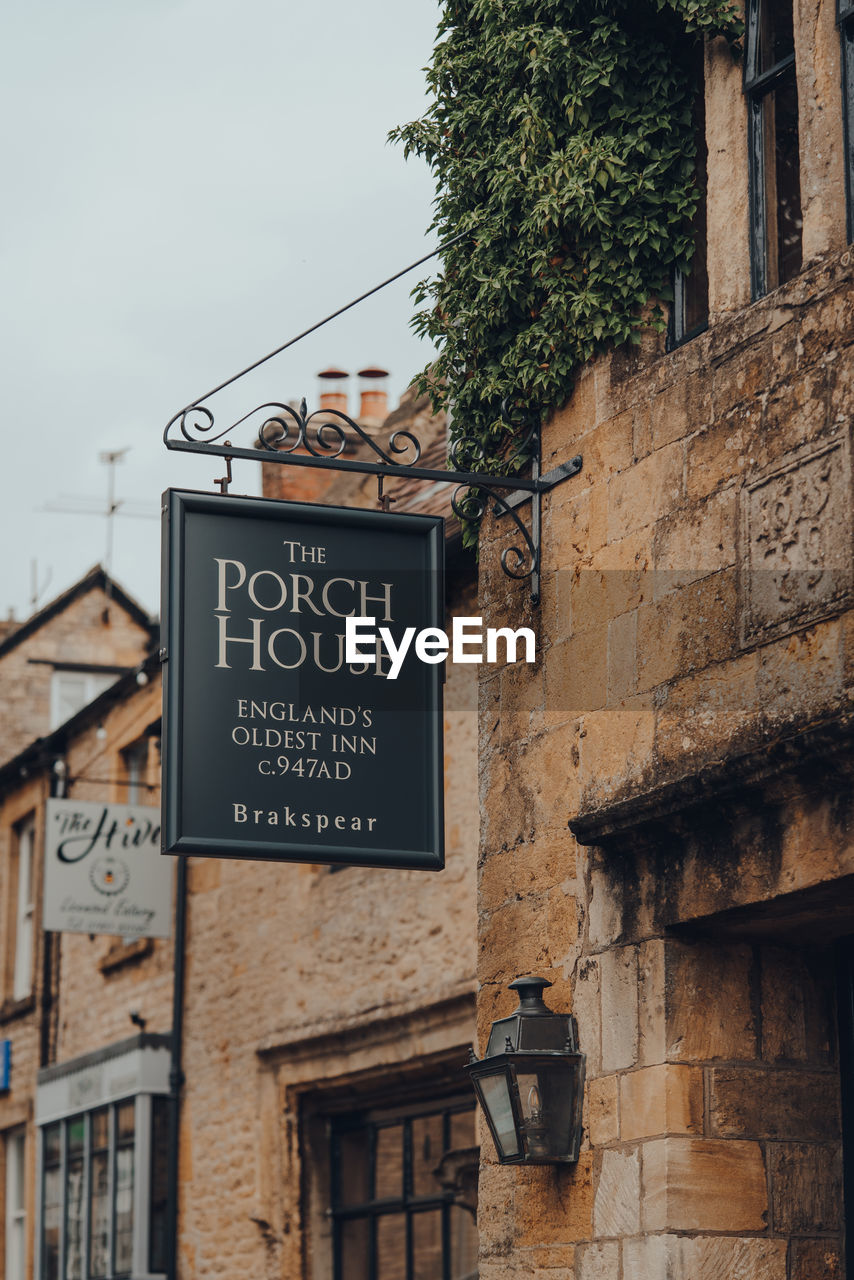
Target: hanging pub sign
x=103, y=871
x=275, y=746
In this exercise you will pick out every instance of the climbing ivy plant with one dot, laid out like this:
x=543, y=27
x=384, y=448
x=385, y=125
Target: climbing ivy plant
x=561, y=137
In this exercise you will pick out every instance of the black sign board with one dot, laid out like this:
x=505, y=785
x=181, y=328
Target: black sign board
x=274, y=746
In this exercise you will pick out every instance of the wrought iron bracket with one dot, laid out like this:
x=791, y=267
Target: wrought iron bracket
x=294, y=437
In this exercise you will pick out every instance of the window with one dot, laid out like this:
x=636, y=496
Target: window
x=16, y=1219
x=90, y=1167
x=690, y=314
x=772, y=107
x=846, y=31
x=135, y=764
x=72, y=690
x=23, y=867
x=396, y=1205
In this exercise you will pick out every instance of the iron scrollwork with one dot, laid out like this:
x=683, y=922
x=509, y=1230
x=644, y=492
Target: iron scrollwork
x=470, y=502
x=283, y=433
x=282, y=429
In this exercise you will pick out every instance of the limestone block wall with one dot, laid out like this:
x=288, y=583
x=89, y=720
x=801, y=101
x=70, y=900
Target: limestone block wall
x=666, y=827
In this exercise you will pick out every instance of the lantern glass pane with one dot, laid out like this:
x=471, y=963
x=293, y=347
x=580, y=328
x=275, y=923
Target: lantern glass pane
x=547, y=1096
x=496, y=1099
x=536, y=1137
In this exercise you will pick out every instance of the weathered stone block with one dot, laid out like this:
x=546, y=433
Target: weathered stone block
x=622, y=656
x=645, y=492
x=569, y=425
x=796, y=542
x=696, y=1184
x=616, y=1210
x=816, y=1260
x=748, y=1103
x=717, y=457
x=682, y=408
x=659, y=1100
x=553, y=1257
x=586, y=1007
x=599, y=1261
x=608, y=449
x=687, y=630
x=602, y=1115
x=577, y=673
x=512, y=942
x=722, y=1258
x=709, y=1011
x=648, y=1258
x=575, y=525
x=652, y=1038
x=561, y=928
x=601, y=594
x=801, y=675
x=795, y=412
x=840, y=372
x=806, y=1187
x=694, y=542
x=613, y=744
x=619, y=994
x=555, y=1206
x=507, y=820
x=796, y=1015
x=701, y=712
x=604, y=923
x=549, y=762
x=829, y=322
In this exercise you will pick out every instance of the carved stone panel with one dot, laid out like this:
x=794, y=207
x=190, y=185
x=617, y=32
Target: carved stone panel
x=796, y=548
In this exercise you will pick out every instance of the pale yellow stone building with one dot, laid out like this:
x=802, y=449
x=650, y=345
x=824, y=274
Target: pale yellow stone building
x=665, y=815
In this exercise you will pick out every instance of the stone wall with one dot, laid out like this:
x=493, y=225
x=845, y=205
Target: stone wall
x=91, y=629
x=665, y=797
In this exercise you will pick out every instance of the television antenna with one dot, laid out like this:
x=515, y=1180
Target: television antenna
x=82, y=506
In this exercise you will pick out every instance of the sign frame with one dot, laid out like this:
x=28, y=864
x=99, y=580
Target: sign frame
x=101, y=870
x=177, y=506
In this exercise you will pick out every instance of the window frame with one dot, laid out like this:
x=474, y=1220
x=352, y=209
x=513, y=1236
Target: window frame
x=408, y=1204
x=845, y=23
x=22, y=959
x=757, y=86
x=15, y=1216
x=143, y=1104
x=134, y=765
x=95, y=682
x=677, y=333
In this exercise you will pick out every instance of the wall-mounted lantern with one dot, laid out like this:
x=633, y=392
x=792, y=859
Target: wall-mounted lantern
x=531, y=1082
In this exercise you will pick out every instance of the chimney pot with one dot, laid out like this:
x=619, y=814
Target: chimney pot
x=373, y=393
x=333, y=389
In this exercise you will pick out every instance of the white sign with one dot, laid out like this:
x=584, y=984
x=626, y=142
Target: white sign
x=104, y=872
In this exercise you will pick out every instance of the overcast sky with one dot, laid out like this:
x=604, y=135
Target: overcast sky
x=187, y=184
